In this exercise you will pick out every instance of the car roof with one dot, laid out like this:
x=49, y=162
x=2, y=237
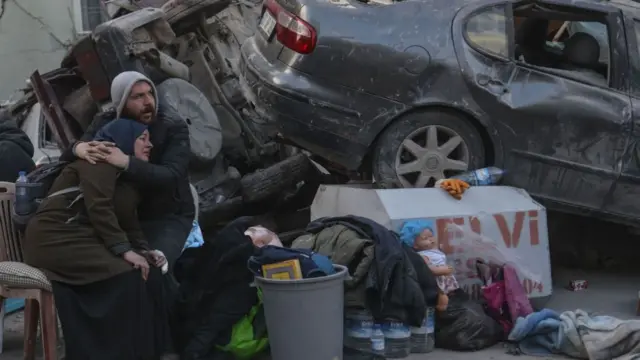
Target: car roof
x=629, y=5
x=626, y=5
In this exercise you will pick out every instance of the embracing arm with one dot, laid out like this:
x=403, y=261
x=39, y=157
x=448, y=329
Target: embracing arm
x=98, y=184
x=98, y=122
x=173, y=164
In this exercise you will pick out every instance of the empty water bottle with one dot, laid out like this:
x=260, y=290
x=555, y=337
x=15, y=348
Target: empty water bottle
x=485, y=176
x=22, y=202
x=377, y=340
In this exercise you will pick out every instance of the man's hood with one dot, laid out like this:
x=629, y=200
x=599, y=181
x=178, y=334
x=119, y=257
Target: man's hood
x=9, y=132
x=121, y=88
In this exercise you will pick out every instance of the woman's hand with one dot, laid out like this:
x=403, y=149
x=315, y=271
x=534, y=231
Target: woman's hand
x=138, y=262
x=156, y=258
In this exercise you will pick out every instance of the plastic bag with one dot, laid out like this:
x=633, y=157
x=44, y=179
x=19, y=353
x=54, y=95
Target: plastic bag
x=195, y=238
x=471, y=247
x=464, y=326
x=248, y=336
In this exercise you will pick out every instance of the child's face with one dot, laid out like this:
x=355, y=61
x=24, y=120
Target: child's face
x=425, y=241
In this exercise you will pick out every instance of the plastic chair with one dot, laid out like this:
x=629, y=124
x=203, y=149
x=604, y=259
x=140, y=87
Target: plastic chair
x=18, y=280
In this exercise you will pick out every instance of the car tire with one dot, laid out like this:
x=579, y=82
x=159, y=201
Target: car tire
x=266, y=183
x=386, y=154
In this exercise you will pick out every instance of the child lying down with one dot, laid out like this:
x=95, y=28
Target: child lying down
x=421, y=236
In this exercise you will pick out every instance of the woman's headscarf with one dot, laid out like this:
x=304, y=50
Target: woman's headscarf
x=412, y=228
x=122, y=132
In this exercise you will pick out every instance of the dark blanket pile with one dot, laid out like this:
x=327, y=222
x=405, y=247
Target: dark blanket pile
x=399, y=284
x=215, y=291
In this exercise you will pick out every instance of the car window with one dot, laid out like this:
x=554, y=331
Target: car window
x=487, y=30
x=578, y=50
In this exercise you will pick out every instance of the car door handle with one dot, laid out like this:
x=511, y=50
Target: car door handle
x=486, y=80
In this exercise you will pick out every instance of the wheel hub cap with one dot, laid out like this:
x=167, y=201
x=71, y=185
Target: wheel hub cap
x=443, y=150
x=433, y=162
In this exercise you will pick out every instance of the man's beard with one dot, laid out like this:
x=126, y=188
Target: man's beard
x=139, y=116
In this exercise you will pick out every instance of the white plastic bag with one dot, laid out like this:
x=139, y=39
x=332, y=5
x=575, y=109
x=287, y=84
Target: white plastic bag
x=471, y=247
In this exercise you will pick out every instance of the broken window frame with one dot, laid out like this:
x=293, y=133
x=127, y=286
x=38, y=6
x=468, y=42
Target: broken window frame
x=82, y=18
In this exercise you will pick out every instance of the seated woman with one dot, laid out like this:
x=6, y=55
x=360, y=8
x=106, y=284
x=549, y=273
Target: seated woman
x=88, y=241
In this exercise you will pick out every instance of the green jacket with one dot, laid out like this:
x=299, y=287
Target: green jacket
x=344, y=247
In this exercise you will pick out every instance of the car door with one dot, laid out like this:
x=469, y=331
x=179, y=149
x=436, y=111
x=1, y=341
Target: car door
x=625, y=198
x=564, y=138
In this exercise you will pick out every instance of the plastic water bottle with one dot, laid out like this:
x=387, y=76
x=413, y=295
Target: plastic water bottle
x=485, y=176
x=422, y=338
x=377, y=340
x=22, y=203
x=358, y=329
x=397, y=339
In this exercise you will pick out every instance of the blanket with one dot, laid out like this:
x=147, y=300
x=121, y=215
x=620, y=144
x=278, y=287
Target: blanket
x=577, y=334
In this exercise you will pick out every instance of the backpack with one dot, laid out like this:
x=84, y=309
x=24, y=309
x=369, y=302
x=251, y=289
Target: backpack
x=40, y=180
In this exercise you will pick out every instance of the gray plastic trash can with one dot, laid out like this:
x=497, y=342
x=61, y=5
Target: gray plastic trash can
x=305, y=317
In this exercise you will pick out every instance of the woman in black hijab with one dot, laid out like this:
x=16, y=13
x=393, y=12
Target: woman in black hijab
x=89, y=244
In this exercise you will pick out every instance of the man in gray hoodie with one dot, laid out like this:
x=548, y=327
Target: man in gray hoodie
x=167, y=209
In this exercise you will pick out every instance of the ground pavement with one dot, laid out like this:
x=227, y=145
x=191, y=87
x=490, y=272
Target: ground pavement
x=608, y=294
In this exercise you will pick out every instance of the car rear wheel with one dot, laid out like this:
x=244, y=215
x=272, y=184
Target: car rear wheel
x=423, y=147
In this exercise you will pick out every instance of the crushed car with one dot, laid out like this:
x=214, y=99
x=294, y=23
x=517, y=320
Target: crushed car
x=188, y=52
x=410, y=92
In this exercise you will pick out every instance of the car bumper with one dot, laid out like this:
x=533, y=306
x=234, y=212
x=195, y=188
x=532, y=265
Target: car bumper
x=306, y=111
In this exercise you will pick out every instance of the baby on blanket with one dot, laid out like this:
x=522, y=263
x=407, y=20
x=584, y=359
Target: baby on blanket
x=421, y=236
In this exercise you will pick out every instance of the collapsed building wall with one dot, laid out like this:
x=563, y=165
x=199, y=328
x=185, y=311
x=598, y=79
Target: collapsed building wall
x=34, y=35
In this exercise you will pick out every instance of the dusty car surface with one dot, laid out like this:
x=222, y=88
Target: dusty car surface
x=415, y=91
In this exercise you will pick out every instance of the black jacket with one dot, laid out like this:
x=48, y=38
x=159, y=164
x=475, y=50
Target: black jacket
x=16, y=152
x=399, y=284
x=164, y=180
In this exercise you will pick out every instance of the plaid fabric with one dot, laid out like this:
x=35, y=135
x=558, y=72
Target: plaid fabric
x=23, y=276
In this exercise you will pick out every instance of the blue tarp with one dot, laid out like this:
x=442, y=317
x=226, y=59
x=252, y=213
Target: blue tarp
x=11, y=305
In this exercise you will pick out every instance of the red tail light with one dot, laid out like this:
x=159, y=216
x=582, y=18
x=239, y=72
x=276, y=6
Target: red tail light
x=291, y=31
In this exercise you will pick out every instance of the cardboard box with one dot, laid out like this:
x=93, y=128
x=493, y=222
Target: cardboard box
x=508, y=216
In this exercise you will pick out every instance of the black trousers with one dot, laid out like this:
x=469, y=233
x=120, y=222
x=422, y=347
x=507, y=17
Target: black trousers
x=168, y=234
